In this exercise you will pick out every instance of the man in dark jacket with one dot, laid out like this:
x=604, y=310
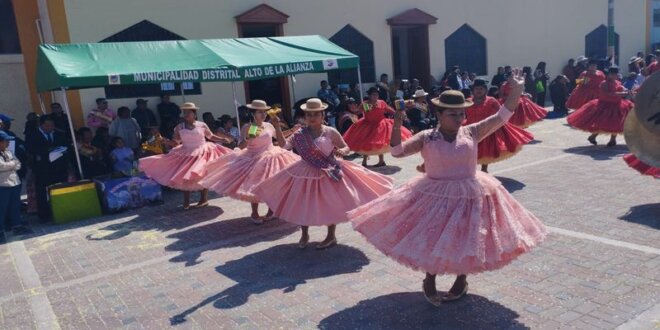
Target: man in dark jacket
x=47, y=171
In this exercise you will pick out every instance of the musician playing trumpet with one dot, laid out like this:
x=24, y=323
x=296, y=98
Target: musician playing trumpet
x=102, y=116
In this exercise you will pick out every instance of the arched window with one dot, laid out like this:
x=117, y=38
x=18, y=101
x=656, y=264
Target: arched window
x=147, y=31
x=357, y=43
x=595, y=44
x=467, y=48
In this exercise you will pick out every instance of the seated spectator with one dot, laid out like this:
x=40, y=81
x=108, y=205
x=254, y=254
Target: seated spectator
x=229, y=130
x=91, y=158
x=10, y=190
x=122, y=158
x=101, y=116
x=403, y=92
x=209, y=120
x=354, y=91
x=559, y=91
x=144, y=116
x=418, y=111
x=126, y=128
x=348, y=116
x=101, y=140
x=154, y=143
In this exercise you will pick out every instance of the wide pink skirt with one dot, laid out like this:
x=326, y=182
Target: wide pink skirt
x=182, y=168
x=459, y=226
x=236, y=174
x=303, y=194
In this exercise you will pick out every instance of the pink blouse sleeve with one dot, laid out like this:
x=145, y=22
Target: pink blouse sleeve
x=410, y=146
x=482, y=129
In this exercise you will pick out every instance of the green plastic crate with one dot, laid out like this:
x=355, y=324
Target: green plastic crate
x=74, y=201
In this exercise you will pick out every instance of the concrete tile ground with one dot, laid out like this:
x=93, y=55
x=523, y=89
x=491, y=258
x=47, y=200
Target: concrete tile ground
x=161, y=267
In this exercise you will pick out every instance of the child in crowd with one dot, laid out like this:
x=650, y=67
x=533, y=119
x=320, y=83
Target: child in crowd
x=122, y=158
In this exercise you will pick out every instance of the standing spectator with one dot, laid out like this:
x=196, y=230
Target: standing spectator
x=414, y=86
x=541, y=79
x=31, y=124
x=169, y=114
x=454, y=80
x=384, y=92
x=498, y=78
x=19, y=145
x=126, y=128
x=530, y=84
x=10, y=190
x=101, y=116
x=559, y=90
x=46, y=171
x=144, y=116
x=61, y=120
x=569, y=72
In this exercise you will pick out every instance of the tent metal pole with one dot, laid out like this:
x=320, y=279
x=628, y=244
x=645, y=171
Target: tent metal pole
x=360, y=83
x=73, y=136
x=183, y=94
x=293, y=90
x=41, y=104
x=238, y=117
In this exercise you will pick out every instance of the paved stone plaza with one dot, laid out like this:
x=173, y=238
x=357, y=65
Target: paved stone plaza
x=212, y=268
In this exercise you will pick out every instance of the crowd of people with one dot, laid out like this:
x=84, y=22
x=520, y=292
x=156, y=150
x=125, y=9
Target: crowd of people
x=452, y=219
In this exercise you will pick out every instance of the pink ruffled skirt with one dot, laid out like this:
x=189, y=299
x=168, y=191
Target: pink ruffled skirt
x=182, y=168
x=458, y=226
x=236, y=174
x=303, y=194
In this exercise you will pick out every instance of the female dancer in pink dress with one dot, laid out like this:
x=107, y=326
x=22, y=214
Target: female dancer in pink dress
x=607, y=113
x=319, y=189
x=236, y=174
x=371, y=134
x=185, y=165
x=454, y=219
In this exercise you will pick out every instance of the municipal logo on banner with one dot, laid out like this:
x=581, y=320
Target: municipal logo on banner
x=330, y=64
x=113, y=79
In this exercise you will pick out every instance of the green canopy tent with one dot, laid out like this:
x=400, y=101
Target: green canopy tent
x=90, y=65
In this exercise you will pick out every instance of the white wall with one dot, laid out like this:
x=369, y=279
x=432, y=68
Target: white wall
x=15, y=99
x=518, y=32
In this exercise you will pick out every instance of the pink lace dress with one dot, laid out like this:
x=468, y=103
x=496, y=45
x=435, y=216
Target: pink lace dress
x=453, y=219
x=185, y=165
x=305, y=195
x=236, y=174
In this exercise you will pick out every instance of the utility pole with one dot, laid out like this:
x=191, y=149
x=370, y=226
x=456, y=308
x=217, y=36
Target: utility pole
x=610, y=31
